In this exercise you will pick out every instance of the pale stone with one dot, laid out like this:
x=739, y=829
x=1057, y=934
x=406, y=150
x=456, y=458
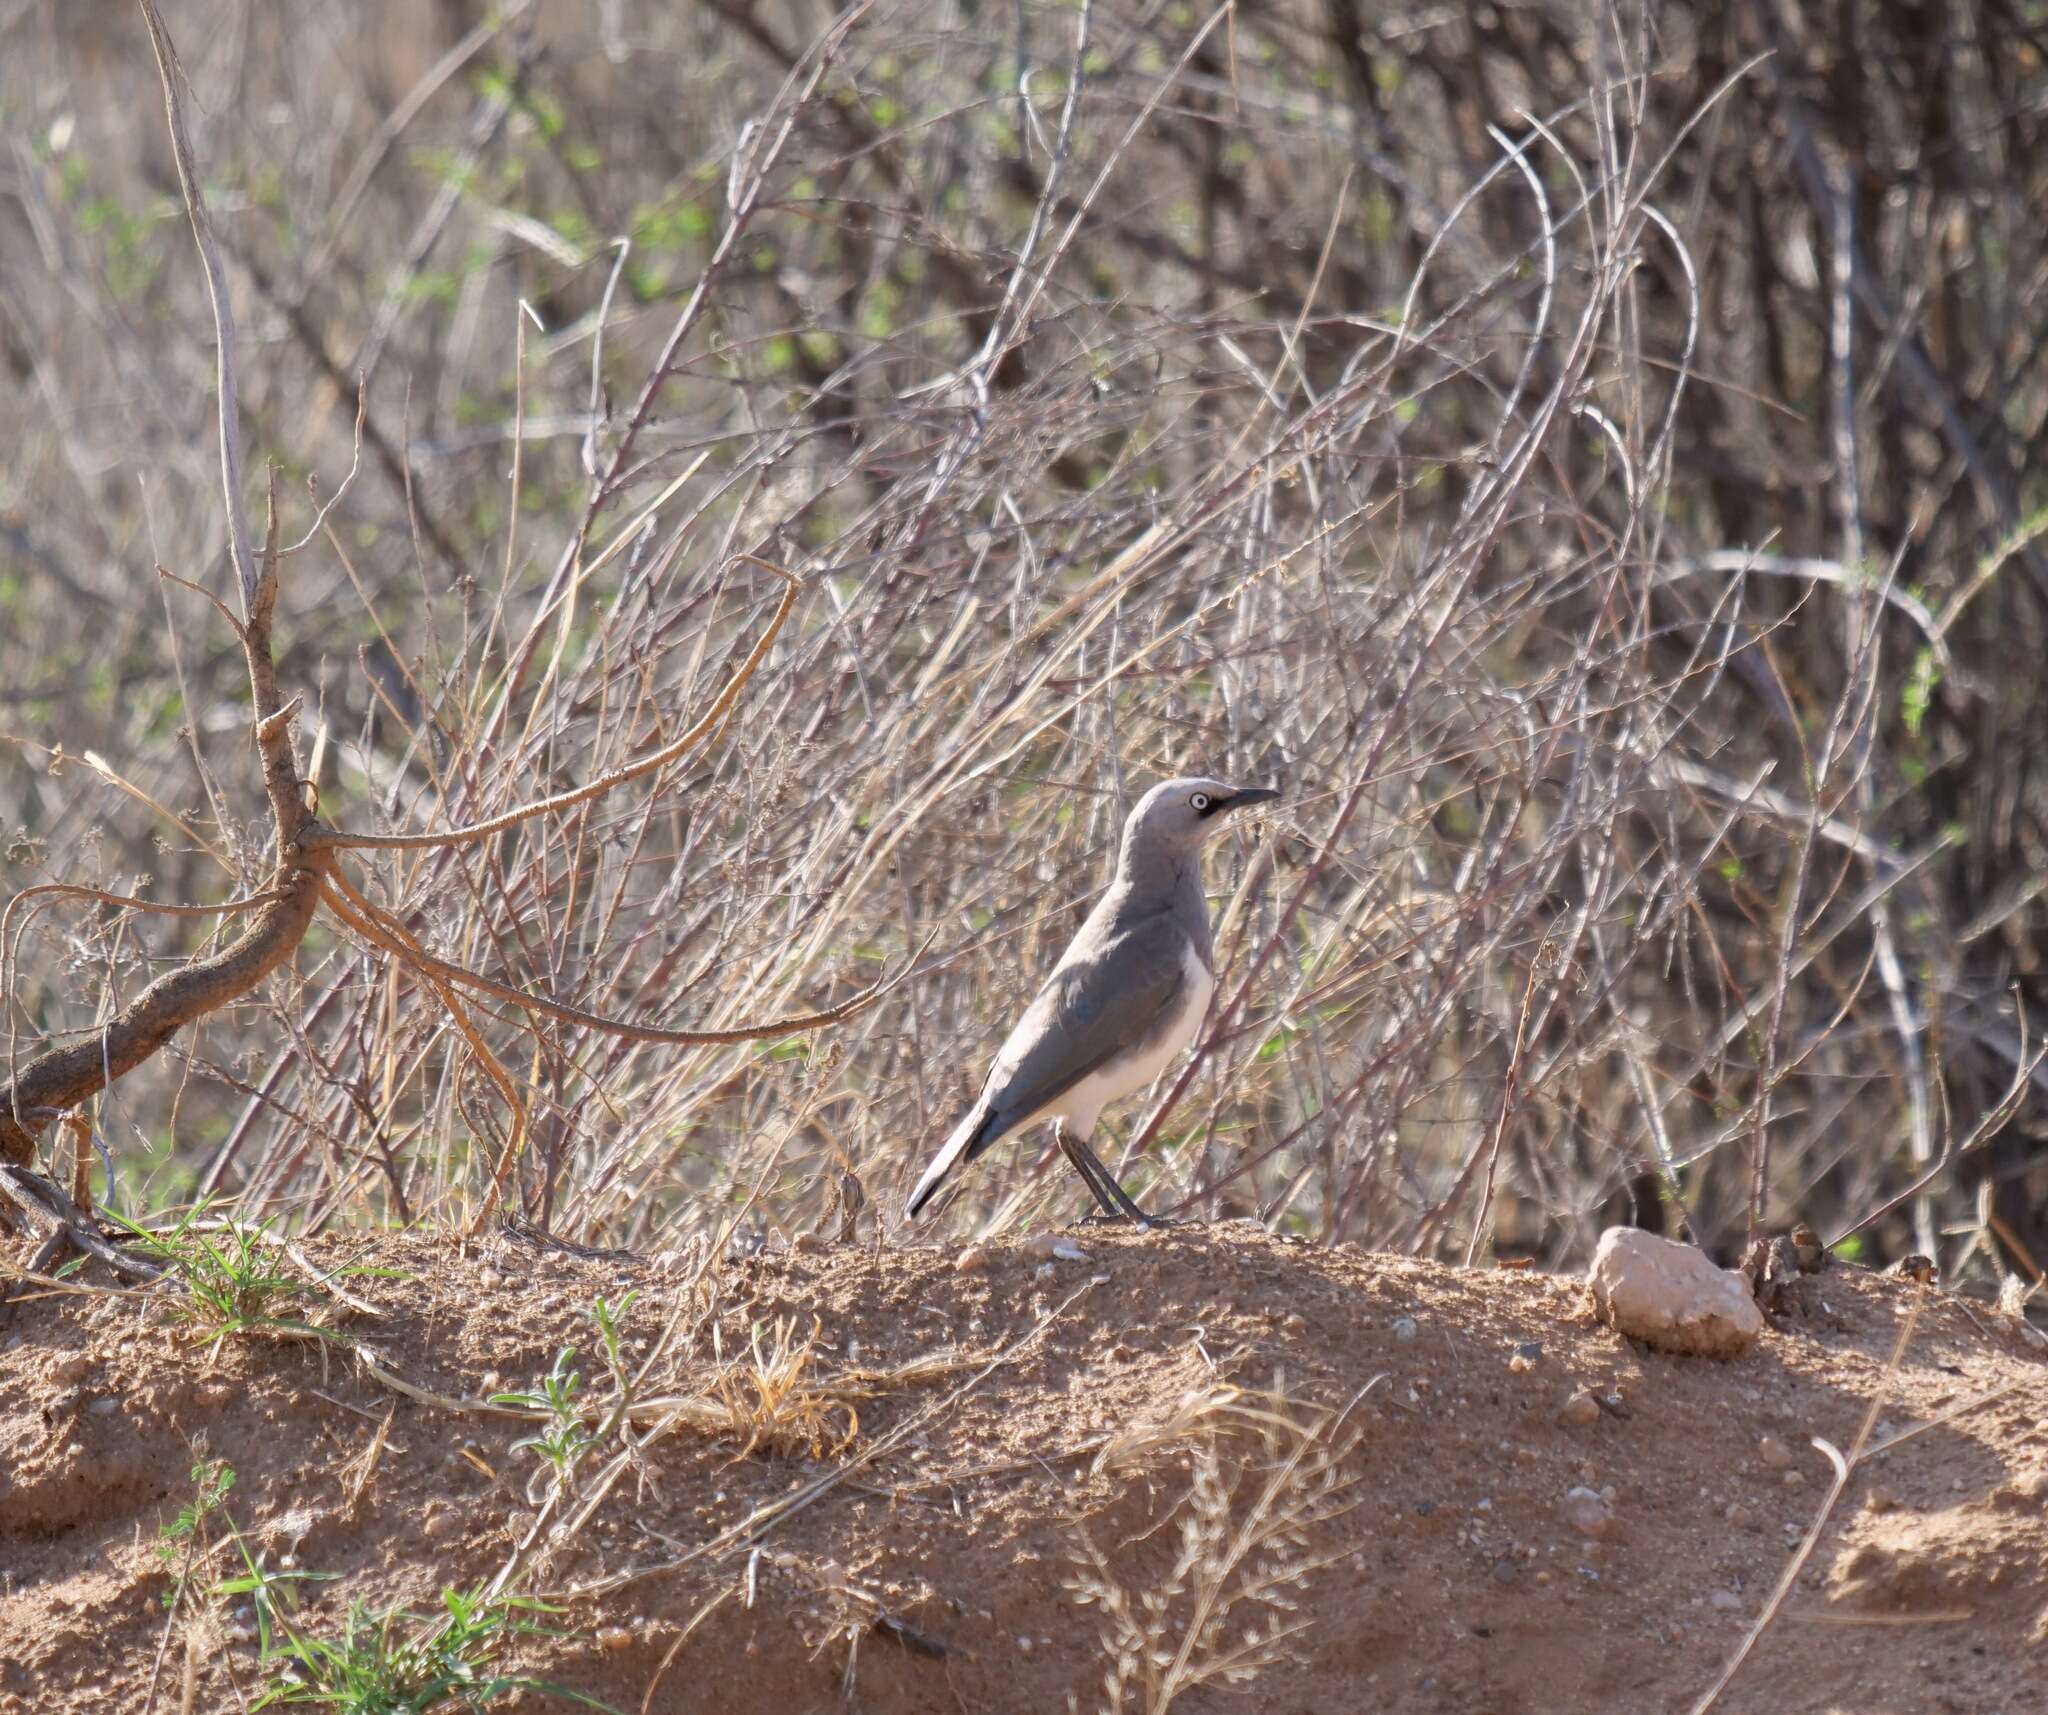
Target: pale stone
x=1587, y=1513
x=1578, y=1411
x=1671, y=1296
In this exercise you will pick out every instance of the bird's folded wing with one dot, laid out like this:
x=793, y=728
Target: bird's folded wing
x=1119, y=997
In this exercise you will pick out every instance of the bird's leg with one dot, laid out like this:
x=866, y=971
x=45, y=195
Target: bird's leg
x=1115, y=1201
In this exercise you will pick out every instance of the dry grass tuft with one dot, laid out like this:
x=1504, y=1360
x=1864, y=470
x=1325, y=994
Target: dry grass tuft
x=1202, y=1413
x=774, y=1401
x=1267, y=1477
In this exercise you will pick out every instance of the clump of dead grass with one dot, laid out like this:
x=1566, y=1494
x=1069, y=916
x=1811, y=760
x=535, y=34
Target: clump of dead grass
x=1268, y=1474
x=773, y=1399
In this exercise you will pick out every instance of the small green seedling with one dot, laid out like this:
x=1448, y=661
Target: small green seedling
x=233, y=1275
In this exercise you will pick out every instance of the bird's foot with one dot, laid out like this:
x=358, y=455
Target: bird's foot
x=1151, y=1223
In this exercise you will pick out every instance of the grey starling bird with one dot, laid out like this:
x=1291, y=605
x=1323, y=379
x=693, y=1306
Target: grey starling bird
x=1126, y=997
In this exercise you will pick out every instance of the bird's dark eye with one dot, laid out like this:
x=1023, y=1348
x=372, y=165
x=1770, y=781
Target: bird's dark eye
x=1200, y=801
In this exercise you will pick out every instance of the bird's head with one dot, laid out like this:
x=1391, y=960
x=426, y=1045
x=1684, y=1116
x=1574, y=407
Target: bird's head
x=1178, y=815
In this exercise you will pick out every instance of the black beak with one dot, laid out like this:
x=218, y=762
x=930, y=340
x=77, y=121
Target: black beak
x=1242, y=796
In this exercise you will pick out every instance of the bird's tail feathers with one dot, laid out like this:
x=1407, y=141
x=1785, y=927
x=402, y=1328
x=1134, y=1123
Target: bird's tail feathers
x=975, y=1132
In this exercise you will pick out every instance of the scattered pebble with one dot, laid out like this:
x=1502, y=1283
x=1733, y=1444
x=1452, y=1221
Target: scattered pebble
x=613, y=1637
x=1505, y=1571
x=1530, y=1349
x=1587, y=1513
x=1737, y=1514
x=1774, y=1453
x=1404, y=1328
x=1726, y=1600
x=1671, y=1295
x=1794, y=1478
x=972, y=1260
x=1578, y=1411
x=439, y=1525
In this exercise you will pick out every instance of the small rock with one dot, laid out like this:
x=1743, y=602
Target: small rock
x=1294, y=1323
x=1046, y=1271
x=440, y=1524
x=1881, y=1500
x=1587, y=1513
x=1737, y=1514
x=68, y=1369
x=1530, y=1349
x=1505, y=1571
x=613, y=1637
x=1521, y=1365
x=1774, y=1453
x=804, y=1244
x=1578, y=1411
x=1726, y=1600
x=1404, y=1328
x=1671, y=1295
x=973, y=1260
x=1794, y=1478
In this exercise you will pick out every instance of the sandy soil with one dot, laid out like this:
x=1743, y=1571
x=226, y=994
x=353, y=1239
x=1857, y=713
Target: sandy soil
x=1016, y=1411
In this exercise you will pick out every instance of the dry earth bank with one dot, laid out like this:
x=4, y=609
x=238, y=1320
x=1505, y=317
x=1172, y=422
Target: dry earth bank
x=1014, y=1412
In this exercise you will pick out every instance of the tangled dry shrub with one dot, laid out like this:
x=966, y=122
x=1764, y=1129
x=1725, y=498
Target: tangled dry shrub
x=1590, y=456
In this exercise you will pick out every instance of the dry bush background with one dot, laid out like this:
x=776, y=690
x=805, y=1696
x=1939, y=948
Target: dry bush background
x=1596, y=469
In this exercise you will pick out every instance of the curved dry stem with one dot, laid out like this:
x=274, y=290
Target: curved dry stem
x=344, y=901
x=668, y=753
x=381, y=930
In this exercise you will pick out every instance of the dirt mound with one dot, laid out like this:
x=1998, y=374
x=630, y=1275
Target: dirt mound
x=1006, y=1480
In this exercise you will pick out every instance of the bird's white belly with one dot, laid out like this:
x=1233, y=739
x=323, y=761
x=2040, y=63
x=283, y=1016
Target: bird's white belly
x=1124, y=1076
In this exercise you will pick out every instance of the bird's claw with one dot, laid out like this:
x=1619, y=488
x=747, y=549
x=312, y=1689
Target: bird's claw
x=1151, y=1223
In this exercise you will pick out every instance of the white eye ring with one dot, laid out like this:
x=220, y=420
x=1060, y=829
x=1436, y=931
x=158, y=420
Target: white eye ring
x=1200, y=800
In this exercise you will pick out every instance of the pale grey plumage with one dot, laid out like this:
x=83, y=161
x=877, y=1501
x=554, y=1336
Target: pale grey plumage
x=1126, y=997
